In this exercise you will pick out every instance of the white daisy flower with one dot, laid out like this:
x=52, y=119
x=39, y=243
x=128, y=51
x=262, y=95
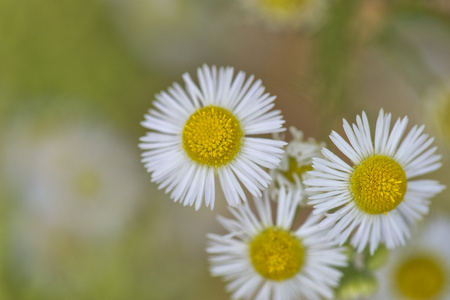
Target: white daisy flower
x=420, y=271
x=204, y=131
x=288, y=14
x=295, y=164
x=261, y=259
x=376, y=198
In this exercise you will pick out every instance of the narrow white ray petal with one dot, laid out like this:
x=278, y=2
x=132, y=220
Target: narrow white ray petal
x=210, y=188
x=234, y=101
x=332, y=175
x=201, y=184
x=235, y=192
x=265, y=293
x=417, y=147
x=338, y=163
x=264, y=210
x=385, y=134
x=423, y=169
x=361, y=148
x=160, y=125
x=354, y=141
x=181, y=185
x=365, y=128
x=235, y=88
x=344, y=147
x=406, y=145
x=193, y=91
x=248, y=182
x=375, y=236
x=205, y=82
x=379, y=131
x=395, y=136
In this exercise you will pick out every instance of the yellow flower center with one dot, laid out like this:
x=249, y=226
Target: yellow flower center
x=378, y=184
x=294, y=168
x=282, y=5
x=276, y=254
x=87, y=183
x=212, y=136
x=420, y=278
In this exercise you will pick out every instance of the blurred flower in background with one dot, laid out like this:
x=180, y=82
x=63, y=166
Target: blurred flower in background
x=295, y=164
x=75, y=186
x=437, y=111
x=68, y=177
x=171, y=34
x=288, y=14
x=422, y=269
x=79, y=217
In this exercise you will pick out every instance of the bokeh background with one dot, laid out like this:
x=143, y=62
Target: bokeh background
x=79, y=218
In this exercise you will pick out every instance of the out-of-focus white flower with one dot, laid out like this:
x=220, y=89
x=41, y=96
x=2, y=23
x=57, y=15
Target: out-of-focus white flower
x=377, y=198
x=207, y=131
x=437, y=111
x=295, y=163
x=264, y=260
x=166, y=34
x=80, y=179
x=288, y=14
x=420, y=271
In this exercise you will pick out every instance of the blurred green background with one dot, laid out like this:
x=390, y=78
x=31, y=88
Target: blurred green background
x=79, y=218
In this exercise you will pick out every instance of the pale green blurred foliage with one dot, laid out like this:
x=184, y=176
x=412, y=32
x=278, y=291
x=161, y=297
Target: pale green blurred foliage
x=97, y=63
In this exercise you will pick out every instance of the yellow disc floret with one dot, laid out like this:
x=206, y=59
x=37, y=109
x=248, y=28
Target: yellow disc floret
x=276, y=254
x=420, y=278
x=212, y=136
x=295, y=168
x=87, y=183
x=286, y=6
x=378, y=184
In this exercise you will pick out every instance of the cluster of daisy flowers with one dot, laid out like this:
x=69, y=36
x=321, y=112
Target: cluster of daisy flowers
x=216, y=133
